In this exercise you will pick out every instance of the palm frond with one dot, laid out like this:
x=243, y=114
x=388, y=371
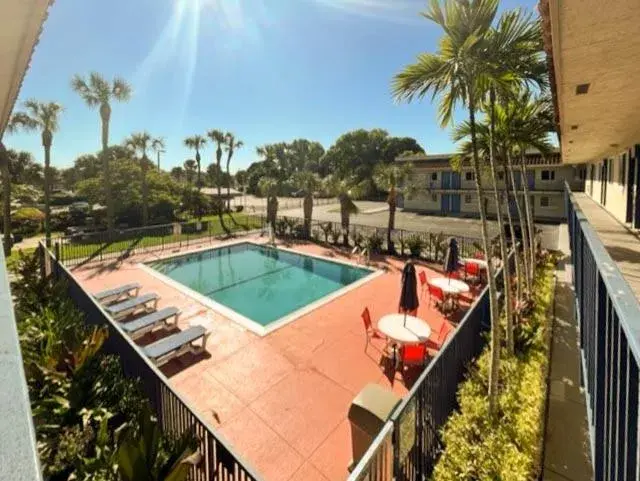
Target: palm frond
x=121, y=90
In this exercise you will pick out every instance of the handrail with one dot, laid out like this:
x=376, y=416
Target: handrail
x=18, y=451
x=115, y=326
x=621, y=294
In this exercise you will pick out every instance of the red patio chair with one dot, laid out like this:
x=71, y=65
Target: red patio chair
x=479, y=255
x=413, y=354
x=371, y=332
x=437, y=339
x=435, y=293
x=422, y=277
x=472, y=270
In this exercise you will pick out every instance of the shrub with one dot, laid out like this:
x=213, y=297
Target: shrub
x=478, y=448
x=335, y=236
x=327, y=229
x=27, y=220
x=374, y=243
x=415, y=243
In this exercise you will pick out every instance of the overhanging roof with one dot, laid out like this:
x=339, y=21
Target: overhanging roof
x=20, y=23
x=594, y=42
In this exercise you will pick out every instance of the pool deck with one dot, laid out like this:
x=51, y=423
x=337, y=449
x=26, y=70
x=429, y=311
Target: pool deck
x=281, y=400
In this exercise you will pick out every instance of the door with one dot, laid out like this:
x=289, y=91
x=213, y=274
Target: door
x=446, y=180
x=445, y=206
x=518, y=179
x=455, y=180
x=531, y=180
x=455, y=203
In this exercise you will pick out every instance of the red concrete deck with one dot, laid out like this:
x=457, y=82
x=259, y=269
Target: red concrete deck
x=281, y=400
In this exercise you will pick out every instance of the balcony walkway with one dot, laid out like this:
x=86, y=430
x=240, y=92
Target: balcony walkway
x=622, y=245
x=566, y=451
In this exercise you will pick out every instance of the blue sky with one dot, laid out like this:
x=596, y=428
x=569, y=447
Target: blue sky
x=267, y=70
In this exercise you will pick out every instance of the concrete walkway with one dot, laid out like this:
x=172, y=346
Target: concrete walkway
x=622, y=244
x=566, y=455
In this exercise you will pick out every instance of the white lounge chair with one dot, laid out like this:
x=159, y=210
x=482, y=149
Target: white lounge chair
x=147, y=302
x=117, y=294
x=164, y=350
x=142, y=325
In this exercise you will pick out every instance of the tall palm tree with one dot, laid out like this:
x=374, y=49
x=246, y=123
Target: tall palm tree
x=308, y=182
x=453, y=74
x=346, y=189
x=158, y=146
x=96, y=91
x=6, y=199
x=390, y=177
x=268, y=186
x=196, y=142
x=190, y=168
x=43, y=117
x=232, y=144
x=140, y=143
x=220, y=138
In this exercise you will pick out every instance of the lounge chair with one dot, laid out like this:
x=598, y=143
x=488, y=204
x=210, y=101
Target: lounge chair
x=147, y=302
x=164, y=350
x=141, y=326
x=117, y=294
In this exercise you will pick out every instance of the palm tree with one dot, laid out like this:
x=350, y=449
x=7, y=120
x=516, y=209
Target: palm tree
x=190, y=167
x=346, y=189
x=158, y=146
x=96, y=91
x=139, y=143
x=196, y=142
x=6, y=198
x=177, y=173
x=308, y=182
x=389, y=177
x=453, y=74
x=43, y=117
x=268, y=186
x=220, y=138
x=231, y=146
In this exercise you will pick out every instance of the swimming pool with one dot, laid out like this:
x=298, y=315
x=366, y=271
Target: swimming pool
x=259, y=286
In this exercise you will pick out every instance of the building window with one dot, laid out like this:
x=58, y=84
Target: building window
x=469, y=176
x=623, y=169
x=545, y=201
x=468, y=199
x=434, y=176
x=548, y=175
x=500, y=176
x=434, y=197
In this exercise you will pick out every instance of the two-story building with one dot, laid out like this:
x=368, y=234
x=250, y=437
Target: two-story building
x=444, y=191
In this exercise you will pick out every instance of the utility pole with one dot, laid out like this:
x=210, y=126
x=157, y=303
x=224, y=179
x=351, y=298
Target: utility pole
x=160, y=152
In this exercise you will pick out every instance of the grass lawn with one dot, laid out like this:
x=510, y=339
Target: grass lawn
x=243, y=222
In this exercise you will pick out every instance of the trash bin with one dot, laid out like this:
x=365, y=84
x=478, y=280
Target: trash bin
x=369, y=410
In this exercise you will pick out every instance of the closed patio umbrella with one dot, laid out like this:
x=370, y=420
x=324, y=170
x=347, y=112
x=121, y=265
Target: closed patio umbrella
x=451, y=259
x=409, y=292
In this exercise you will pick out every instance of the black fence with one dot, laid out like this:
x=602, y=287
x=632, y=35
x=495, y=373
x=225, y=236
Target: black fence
x=100, y=246
x=409, y=445
x=609, y=322
x=219, y=462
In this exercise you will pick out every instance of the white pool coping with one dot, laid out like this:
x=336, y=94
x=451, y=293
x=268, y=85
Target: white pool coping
x=244, y=321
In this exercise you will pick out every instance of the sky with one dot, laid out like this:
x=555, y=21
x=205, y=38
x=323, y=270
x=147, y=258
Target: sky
x=266, y=70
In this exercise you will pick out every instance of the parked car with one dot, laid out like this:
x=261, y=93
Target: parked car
x=83, y=207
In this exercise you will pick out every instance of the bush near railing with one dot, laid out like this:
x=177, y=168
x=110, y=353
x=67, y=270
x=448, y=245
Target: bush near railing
x=507, y=447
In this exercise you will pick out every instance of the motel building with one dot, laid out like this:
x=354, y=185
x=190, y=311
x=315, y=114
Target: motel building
x=445, y=192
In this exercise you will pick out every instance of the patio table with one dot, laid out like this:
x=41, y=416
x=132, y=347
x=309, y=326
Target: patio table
x=413, y=331
x=481, y=263
x=450, y=286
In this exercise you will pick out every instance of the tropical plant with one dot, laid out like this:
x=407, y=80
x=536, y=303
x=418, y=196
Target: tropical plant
x=219, y=138
x=96, y=91
x=374, y=243
x=6, y=199
x=268, y=186
x=415, y=243
x=391, y=177
x=158, y=146
x=147, y=455
x=178, y=173
x=308, y=183
x=454, y=75
x=139, y=143
x=196, y=142
x=345, y=189
x=231, y=146
x=327, y=229
x=43, y=117
x=190, y=169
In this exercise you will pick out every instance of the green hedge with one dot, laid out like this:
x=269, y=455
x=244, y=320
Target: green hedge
x=478, y=448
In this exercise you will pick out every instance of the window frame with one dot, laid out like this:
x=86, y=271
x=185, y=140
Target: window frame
x=552, y=175
x=434, y=177
x=548, y=199
x=469, y=176
x=434, y=197
x=468, y=199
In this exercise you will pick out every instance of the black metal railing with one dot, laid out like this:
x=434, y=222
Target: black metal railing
x=18, y=449
x=609, y=323
x=101, y=246
x=219, y=462
x=412, y=434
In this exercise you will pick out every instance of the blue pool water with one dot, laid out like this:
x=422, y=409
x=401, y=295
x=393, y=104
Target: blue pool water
x=259, y=282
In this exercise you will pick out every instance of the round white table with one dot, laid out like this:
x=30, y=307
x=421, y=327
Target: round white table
x=450, y=286
x=480, y=262
x=413, y=331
